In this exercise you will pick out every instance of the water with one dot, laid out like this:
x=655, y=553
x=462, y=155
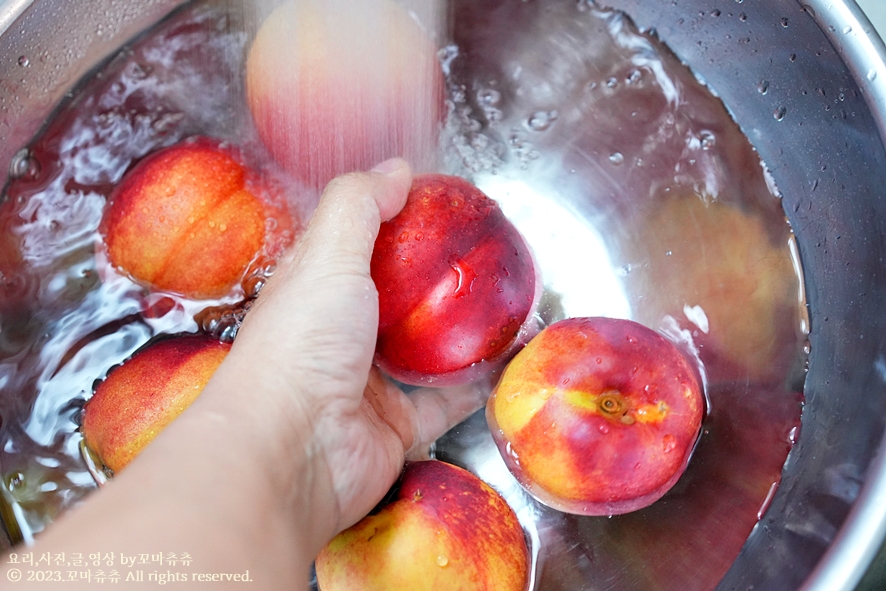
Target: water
x=638, y=195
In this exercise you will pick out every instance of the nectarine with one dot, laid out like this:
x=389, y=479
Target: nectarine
x=446, y=530
x=335, y=88
x=184, y=220
x=719, y=271
x=456, y=284
x=597, y=416
x=142, y=396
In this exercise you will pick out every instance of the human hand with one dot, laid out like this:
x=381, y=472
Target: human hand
x=308, y=345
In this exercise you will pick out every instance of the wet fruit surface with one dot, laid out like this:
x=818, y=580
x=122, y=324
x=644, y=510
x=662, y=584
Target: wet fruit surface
x=184, y=220
x=597, y=416
x=445, y=530
x=456, y=284
x=142, y=396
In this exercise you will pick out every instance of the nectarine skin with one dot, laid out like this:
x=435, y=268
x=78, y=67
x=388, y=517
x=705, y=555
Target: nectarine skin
x=446, y=530
x=456, y=284
x=327, y=98
x=183, y=220
x=597, y=416
x=142, y=396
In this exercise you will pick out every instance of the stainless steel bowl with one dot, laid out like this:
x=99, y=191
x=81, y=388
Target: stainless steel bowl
x=819, y=127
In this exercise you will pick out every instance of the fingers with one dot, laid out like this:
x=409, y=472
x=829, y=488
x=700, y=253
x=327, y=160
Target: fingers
x=318, y=315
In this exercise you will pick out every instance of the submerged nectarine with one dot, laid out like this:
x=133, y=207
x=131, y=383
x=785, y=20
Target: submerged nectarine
x=446, y=530
x=338, y=87
x=184, y=220
x=456, y=284
x=142, y=396
x=721, y=273
x=597, y=416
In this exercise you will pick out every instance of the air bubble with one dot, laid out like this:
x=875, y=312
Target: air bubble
x=24, y=166
x=542, y=120
x=488, y=97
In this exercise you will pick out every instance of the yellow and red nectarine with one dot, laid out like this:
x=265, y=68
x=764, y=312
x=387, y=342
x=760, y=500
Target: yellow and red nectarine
x=184, y=220
x=597, y=416
x=446, y=530
x=142, y=396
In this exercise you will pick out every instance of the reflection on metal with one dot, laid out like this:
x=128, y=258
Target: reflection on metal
x=11, y=10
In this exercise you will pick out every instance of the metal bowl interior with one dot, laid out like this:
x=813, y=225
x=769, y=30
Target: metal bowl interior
x=825, y=72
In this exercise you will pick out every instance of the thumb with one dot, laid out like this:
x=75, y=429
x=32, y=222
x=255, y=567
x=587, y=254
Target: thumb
x=342, y=232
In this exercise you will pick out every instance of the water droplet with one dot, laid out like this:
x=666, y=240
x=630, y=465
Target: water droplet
x=442, y=561
x=604, y=429
x=715, y=13
x=634, y=77
x=465, y=276
x=872, y=75
x=616, y=158
x=403, y=237
x=793, y=57
x=23, y=61
x=779, y=113
x=24, y=166
x=742, y=17
x=847, y=29
x=612, y=82
x=763, y=87
x=542, y=120
x=708, y=140
x=668, y=443
x=632, y=339
x=784, y=22
x=488, y=97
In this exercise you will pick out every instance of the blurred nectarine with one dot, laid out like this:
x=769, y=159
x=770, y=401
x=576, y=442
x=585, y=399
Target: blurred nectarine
x=335, y=88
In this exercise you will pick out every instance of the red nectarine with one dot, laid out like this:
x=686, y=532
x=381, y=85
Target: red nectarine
x=142, y=396
x=456, y=284
x=597, y=416
x=446, y=530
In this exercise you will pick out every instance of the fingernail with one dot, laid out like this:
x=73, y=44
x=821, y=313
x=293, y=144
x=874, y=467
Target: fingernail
x=388, y=166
